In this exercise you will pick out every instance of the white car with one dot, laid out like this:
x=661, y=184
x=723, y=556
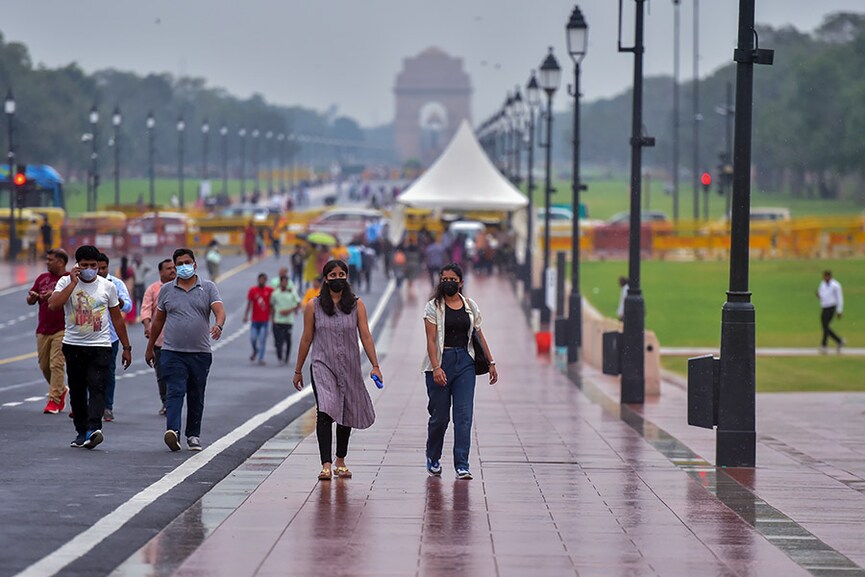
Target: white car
x=346, y=223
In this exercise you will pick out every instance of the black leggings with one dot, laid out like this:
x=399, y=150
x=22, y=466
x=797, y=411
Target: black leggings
x=324, y=433
x=825, y=318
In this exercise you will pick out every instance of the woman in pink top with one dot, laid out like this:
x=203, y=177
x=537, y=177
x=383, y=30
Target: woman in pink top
x=167, y=273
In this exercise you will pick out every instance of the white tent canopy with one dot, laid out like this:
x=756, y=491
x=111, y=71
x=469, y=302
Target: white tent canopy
x=463, y=178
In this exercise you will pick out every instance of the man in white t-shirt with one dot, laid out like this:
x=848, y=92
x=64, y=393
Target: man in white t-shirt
x=89, y=304
x=832, y=304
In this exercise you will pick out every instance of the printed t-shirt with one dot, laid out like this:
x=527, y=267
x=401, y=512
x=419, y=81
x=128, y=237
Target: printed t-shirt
x=86, y=312
x=50, y=322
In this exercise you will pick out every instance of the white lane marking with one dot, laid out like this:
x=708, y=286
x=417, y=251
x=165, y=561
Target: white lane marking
x=19, y=385
x=13, y=404
x=33, y=399
x=15, y=289
x=84, y=542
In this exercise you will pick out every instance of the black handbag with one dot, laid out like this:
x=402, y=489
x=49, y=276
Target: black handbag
x=482, y=364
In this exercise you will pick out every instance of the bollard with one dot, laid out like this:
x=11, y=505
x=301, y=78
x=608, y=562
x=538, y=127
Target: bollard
x=612, y=353
x=703, y=380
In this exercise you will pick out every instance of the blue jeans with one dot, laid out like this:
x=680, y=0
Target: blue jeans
x=185, y=374
x=459, y=391
x=258, y=337
x=111, y=383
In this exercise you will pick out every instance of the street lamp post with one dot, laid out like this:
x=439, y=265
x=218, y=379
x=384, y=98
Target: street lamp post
x=94, y=155
x=697, y=116
x=578, y=42
x=508, y=131
x=550, y=76
x=181, y=128
x=728, y=111
x=518, y=112
x=676, y=36
x=633, y=338
x=205, y=148
x=116, y=120
x=269, y=137
x=533, y=100
x=9, y=108
x=151, y=124
x=223, y=133
x=242, y=134
x=256, y=163
x=281, y=139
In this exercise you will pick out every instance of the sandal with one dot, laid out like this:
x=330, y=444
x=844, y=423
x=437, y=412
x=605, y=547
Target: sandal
x=325, y=475
x=342, y=472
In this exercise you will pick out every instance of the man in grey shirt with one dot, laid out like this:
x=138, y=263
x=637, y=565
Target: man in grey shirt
x=183, y=308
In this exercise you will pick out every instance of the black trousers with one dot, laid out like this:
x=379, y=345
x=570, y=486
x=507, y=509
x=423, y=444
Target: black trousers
x=324, y=433
x=87, y=374
x=282, y=339
x=825, y=318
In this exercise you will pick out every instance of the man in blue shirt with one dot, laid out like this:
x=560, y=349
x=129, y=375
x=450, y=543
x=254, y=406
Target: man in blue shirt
x=125, y=307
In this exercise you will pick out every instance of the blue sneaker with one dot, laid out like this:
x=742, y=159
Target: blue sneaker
x=92, y=439
x=434, y=468
x=79, y=441
x=464, y=474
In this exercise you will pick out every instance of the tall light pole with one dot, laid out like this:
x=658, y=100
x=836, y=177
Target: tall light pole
x=9, y=108
x=256, y=162
x=281, y=139
x=508, y=132
x=697, y=116
x=151, y=124
x=116, y=121
x=728, y=111
x=633, y=339
x=223, y=133
x=94, y=155
x=676, y=37
x=242, y=135
x=578, y=41
x=518, y=113
x=550, y=76
x=269, y=137
x=181, y=128
x=533, y=100
x=205, y=148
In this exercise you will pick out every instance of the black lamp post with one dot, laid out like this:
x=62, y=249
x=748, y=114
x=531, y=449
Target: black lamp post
x=151, y=124
x=181, y=128
x=508, y=131
x=94, y=155
x=281, y=139
x=242, y=134
x=676, y=36
x=223, y=133
x=633, y=338
x=518, y=113
x=549, y=77
x=533, y=100
x=205, y=148
x=268, y=136
x=578, y=42
x=728, y=111
x=116, y=121
x=9, y=108
x=697, y=116
x=256, y=163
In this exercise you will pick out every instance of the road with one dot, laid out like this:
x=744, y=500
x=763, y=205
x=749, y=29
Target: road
x=49, y=492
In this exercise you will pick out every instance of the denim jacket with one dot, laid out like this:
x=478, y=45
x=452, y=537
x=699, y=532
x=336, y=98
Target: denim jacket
x=436, y=315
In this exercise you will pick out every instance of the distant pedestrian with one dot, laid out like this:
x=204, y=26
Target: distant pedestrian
x=331, y=324
x=213, y=258
x=90, y=305
x=275, y=242
x=183, y=309
x=312, y=292
x=258, y=302
x=167, y=273
x=368, y=256
x=284, y=304
x=435, y=254
x=832, y=303
x=249, y=241
x=50, y=329
x=140, y=272
x=125, y=307
x=47, y=234
x=623, y=294
x=355, y=262
x=449, y=321
x=297, y=262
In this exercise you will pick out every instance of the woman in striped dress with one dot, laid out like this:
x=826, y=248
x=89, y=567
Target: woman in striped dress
x=331, y=324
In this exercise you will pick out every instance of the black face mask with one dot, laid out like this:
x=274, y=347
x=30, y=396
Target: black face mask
x=450, y=287
x=337, y=285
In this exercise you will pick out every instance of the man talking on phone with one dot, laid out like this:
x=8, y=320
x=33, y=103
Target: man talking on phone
x=89, y=304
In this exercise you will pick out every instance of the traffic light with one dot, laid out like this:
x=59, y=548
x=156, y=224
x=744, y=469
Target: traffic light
x=20, y=178
x=706, y=180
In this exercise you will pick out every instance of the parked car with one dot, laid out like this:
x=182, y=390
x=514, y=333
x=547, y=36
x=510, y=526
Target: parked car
x=346, y=223
x=255, y=212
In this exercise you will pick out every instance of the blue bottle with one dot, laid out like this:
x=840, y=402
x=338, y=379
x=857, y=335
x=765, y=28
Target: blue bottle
x=377, y=382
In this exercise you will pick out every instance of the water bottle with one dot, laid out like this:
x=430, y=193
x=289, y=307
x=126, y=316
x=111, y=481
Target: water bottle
x=377, y=382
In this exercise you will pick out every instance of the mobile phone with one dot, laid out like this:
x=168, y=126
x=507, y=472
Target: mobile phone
x=377, y=382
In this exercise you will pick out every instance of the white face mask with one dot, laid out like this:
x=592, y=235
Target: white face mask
x=88, y=274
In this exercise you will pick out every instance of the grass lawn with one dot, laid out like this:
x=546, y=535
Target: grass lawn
x=605, y=198
x=797, y=374
x=133, y=188
x=684, y=299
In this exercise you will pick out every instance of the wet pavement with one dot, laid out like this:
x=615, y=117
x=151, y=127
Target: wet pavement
x=567, y=482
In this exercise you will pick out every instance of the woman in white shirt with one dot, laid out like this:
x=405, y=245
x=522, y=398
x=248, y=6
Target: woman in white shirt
x=449, y=320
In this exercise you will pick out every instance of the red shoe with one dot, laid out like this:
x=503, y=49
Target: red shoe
x=51, y=408
x=62, y=404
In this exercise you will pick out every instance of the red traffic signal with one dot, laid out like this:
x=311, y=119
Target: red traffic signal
x=20, y=179
x=706, y=179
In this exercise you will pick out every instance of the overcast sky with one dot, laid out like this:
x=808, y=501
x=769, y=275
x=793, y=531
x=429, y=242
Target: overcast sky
x=348, y=52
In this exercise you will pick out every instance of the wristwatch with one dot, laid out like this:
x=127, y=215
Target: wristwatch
x=219, y=326
x=492, y=362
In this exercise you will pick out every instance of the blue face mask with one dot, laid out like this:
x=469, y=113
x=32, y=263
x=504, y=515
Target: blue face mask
x=87, y=274
x=185, y=271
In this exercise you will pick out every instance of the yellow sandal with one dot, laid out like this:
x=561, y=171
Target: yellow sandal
x=342, y=472
x=325, y=475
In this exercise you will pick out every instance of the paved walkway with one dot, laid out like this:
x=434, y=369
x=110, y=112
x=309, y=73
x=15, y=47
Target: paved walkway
x=566, y=483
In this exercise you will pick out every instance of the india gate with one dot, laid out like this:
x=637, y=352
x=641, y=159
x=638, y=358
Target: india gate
x=433, y=96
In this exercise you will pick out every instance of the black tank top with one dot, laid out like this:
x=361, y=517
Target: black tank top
x=457, y=324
